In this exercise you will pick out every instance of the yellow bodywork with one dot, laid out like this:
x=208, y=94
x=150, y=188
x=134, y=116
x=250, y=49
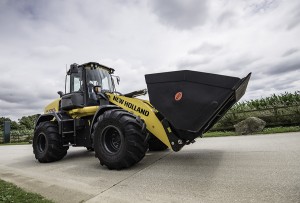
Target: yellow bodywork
x=141, y=108
x=75, y=113
x=52, y=107
x=82, y=112
x=145, y=111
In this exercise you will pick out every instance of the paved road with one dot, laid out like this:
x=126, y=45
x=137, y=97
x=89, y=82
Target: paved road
x=263, y=168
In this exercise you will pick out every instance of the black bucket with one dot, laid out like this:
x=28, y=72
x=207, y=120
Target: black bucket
x=194, y=101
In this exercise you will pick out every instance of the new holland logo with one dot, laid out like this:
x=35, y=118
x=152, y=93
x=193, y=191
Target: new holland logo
x=131, y=106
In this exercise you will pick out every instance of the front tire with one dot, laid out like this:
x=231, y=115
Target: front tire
x=119, y=139
x=47, y=143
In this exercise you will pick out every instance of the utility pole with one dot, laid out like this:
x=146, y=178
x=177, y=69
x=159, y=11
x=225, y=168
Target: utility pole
x=6, y=132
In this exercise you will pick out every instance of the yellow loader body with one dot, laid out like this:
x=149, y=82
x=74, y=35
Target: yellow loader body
x=138, y=107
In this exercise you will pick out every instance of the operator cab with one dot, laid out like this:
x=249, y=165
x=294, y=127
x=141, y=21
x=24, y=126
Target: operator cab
x=80, y=83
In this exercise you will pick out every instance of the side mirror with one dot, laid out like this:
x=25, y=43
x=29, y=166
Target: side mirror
x=117, y=78
x=97, y=89
x=60, y=93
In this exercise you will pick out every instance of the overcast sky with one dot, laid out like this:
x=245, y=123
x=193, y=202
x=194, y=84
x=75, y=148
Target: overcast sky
x=38, y=38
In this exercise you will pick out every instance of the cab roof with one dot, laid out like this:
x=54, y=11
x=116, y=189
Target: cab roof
x=95, y=64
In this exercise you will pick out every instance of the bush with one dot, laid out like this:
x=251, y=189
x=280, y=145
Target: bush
x=19, y=136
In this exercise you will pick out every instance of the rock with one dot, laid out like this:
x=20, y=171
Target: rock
x=250, y=125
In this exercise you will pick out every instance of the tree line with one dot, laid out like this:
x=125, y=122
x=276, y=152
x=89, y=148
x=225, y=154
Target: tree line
x=24, y=123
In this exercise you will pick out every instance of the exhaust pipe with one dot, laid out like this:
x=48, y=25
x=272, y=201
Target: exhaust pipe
x=192, y=102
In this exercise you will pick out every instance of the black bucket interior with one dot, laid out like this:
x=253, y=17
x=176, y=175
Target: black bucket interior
x=194, y=101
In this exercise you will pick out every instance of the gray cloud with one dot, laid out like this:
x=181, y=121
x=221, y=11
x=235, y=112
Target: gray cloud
x=205, y=48
x=199, y=56
x=274, y=77
x=294, y=20
x=290, y=65
x=188, y=63
x=28, y=96
x=226, y=17
x=243, y=61
x=39, y=38
x=263, y=6
x=273, y=83
x=290, y=52
x=31, y=9
x=181, y=14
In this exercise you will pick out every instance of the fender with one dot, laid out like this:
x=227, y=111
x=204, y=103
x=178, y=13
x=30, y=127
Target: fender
x=57, y=116
x=47, y=117
x=100, y=111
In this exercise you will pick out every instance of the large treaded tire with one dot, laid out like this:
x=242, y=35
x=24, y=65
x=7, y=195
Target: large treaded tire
x=155, y=144
x=119, y=139
x=47, y=143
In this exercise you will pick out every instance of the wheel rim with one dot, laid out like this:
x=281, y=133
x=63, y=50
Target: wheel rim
x=111, y=139
x=41, y=142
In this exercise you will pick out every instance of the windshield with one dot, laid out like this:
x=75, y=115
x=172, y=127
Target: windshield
x=99, y=76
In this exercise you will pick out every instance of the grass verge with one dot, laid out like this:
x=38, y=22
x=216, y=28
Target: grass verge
x=280, y=130
x=15, y=143
x=265, y=131
x=11, y=193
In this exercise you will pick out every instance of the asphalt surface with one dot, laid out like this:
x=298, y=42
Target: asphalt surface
x=264, y=168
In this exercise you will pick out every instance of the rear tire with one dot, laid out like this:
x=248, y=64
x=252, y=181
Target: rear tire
x=155, y=144
x=47, y=143
x=119, y=139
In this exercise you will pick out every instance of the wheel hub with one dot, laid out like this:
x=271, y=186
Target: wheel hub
x=41, y=142
x=111, y=139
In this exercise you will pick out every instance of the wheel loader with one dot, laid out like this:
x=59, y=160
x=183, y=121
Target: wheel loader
x=120, y=128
